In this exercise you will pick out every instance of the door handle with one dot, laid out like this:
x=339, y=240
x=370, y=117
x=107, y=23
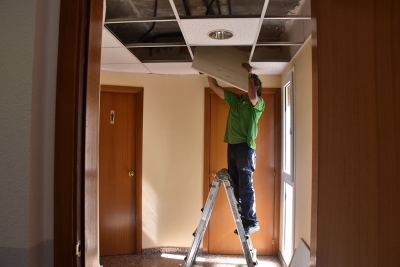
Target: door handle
x=131, y=173
x=213, y=174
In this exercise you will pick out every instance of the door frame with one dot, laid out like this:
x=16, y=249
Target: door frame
x=207, y=171
x=76, y=134
x=139, y=154
x=288, y=179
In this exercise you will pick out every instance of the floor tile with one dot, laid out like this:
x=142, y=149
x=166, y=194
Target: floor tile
x=172, y=260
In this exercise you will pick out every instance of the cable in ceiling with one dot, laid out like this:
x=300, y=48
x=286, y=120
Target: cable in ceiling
x=207, y=6
x=153, y=25
x=219, y=7
x=187, y=9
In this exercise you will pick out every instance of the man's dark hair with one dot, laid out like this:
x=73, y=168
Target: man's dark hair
x=257, y=82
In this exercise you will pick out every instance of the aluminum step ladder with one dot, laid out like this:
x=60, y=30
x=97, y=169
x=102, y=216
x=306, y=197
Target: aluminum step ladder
x=247, y=246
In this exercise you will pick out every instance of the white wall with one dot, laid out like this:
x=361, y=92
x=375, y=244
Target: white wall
x=16, y=55
x=173, y=140
x=42, y=133
x=28, y=56
x=303, y=142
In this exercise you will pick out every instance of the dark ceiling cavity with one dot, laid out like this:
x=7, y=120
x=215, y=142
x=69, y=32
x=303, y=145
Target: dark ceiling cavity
x=150, y=28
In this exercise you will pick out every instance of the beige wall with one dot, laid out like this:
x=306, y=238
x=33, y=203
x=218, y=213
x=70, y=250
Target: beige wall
x=303, y=141
x=173, y=141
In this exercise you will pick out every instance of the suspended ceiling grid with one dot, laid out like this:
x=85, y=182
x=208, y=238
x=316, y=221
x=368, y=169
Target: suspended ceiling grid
x=161, y=36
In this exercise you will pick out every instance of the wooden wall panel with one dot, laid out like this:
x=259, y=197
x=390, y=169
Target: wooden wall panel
x=387, y=76
x=76, y=138
x=92, y=118
x=356, y=133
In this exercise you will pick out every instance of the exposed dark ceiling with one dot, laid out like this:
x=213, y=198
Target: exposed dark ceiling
x=154, y=30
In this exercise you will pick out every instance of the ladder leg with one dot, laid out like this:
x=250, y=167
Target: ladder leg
x=198, y=235
x=247, y=246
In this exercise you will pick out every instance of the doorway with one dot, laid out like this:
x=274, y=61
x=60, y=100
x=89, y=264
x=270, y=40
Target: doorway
x=219, y=237
x=120, y=164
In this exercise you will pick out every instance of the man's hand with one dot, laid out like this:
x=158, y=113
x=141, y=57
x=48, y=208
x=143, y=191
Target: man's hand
x=247, y=67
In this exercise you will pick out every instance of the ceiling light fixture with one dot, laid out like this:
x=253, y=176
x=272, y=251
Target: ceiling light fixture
x=220, y=34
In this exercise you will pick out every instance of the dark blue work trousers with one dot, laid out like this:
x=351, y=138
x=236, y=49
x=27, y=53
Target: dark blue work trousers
x=241, y=165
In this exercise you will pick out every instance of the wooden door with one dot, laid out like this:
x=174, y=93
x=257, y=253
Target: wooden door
x=220, y=238
x=117, y=185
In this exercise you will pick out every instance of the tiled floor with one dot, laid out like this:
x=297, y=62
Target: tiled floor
x=172, y=260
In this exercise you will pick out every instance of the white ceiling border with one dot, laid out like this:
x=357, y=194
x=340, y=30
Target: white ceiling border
x=178, y=19
x=259, y=28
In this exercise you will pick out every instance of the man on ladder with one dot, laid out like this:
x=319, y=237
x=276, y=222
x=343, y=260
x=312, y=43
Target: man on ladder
x=240, y=134
x=241, y=131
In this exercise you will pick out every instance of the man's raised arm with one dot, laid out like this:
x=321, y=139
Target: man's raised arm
x=252, y=89
x=215, y=87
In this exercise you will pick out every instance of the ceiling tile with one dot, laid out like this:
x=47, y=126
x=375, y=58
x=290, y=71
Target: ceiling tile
x=111, y=55
x=268, y=68
x=129, y=23
x=244, y=31
x=109, y=40
x=162, y=54
x=181, y=68
x=134, y=68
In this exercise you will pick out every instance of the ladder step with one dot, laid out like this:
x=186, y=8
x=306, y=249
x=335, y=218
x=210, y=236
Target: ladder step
x=236, y=233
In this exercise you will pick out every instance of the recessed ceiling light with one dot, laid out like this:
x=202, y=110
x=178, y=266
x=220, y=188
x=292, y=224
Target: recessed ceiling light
x=220, y=34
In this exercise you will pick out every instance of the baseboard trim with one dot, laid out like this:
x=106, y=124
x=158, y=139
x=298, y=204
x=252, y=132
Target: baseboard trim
x=172, y=250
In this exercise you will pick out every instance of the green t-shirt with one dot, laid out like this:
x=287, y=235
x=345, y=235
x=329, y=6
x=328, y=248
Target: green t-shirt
x=241, y=125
